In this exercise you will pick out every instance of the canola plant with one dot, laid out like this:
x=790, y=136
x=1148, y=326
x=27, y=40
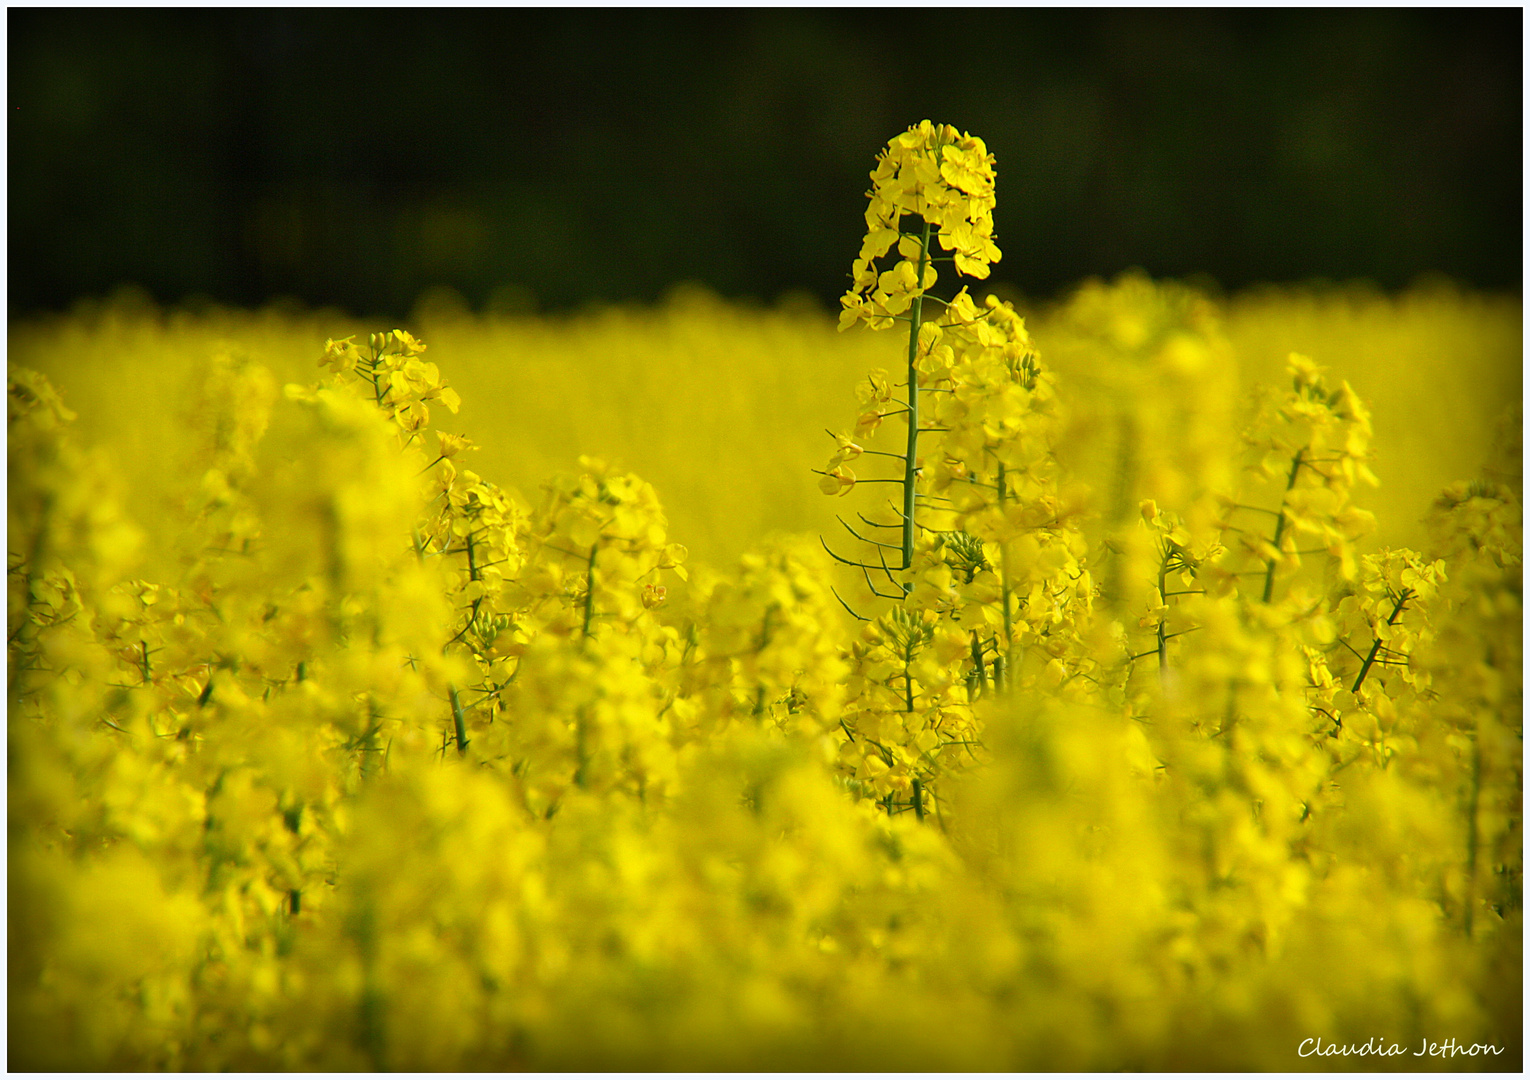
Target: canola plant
x=1097, y=733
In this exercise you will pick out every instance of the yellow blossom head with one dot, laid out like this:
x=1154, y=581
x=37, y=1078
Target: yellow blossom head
x=943, y=176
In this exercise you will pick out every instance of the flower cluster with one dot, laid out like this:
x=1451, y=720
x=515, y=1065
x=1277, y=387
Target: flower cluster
x=946, y=178
x=994, y=585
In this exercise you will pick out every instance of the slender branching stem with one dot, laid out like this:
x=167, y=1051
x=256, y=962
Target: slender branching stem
x=1163, y=574
x=864, y=539
x=1280, y=525
x=581, y=750
x=911, y=458
x=1002, y=669
x=458, y=721
x=1365, y=668
x=372, y=372
x=589, y=591
x=847, y=607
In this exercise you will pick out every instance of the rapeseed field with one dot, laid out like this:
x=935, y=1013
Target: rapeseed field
x=948, y=683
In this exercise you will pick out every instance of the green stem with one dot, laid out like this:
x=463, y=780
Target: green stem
x=1163, y=574
x=473, y=576
x=372, y=1006
x=911, y=457
x=376, y=386
x=458, y=721
x=589, y=591
x=366, y=744
x=1001, y=662
x=1280, y=524
x=581, y=750
x=1365, y=668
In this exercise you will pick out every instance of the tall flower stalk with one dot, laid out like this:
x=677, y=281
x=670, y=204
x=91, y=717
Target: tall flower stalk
x=943, y=179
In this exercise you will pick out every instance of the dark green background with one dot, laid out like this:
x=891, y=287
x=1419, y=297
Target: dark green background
x=357, y=157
